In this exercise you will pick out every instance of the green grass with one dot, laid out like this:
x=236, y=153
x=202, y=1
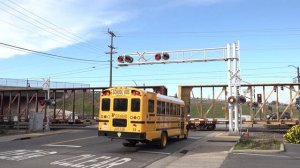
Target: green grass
x=218, y=110
x=254, y=144
x=88, y=108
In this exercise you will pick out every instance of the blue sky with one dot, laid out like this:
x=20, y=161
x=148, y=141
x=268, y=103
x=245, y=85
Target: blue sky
x=268, y=32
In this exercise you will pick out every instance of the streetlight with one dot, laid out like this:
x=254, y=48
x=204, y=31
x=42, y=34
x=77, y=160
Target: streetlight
x=134, y=82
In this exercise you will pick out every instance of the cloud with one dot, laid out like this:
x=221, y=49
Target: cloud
x=28, y=28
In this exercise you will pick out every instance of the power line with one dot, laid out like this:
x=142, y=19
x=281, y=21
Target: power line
x=267, y=30
x=51, y=31
x=70, y=72
x=41, y=28
x=48, y=54
x=54, y=25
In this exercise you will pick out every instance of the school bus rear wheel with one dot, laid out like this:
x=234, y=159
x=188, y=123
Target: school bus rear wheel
x=163, y=140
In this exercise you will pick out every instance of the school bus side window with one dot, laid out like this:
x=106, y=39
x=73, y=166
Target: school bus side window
x=159, y=108
x=135, y=105
x=167, y=108
x=151, y=106
x=120, y=104
x=163, y=109
x=105, y=105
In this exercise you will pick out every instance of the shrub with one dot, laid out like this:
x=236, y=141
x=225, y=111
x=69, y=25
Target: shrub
x=293, y=135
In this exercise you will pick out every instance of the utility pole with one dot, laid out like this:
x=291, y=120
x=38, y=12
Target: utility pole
x=298, y=76
x=298, y=81
x=111, y=46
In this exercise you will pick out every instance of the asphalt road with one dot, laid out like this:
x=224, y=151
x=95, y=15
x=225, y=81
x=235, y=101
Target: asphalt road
x=288, y=159
x=83, y=148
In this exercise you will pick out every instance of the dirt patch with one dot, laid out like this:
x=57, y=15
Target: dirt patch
x=260, y=141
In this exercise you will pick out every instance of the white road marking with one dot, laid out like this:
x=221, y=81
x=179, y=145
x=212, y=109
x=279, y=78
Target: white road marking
x=153, y=152
x=72, y=140
x=18, y=155
x=69, y=146
x=91, y=161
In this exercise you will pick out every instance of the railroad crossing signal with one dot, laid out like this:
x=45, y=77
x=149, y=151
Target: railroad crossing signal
x=230, y=53
x=126, y=58
x=164, y=56
x=259, y=100
x=232, y=100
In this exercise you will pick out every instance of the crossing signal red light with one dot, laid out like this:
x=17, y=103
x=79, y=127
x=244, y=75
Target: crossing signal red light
x=166, y=56
x=128, y=59
x=259, y=99
x=231, y=100
x=297, y=101
x=157, y=56
x=121, y=59
x=242, y=99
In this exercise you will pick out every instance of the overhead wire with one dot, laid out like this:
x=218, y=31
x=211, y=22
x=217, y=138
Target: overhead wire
x=63, y=56
x=48, y=54
x=267, y=30
x=63, y=30
x=52, y=30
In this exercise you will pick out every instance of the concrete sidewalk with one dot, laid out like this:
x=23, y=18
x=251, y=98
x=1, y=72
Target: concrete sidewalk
x=209, y=151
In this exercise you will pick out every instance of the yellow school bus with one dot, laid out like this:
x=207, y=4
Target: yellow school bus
x=140, y=116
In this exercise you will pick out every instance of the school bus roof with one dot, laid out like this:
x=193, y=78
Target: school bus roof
x=159, y=96
x=171, y=99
